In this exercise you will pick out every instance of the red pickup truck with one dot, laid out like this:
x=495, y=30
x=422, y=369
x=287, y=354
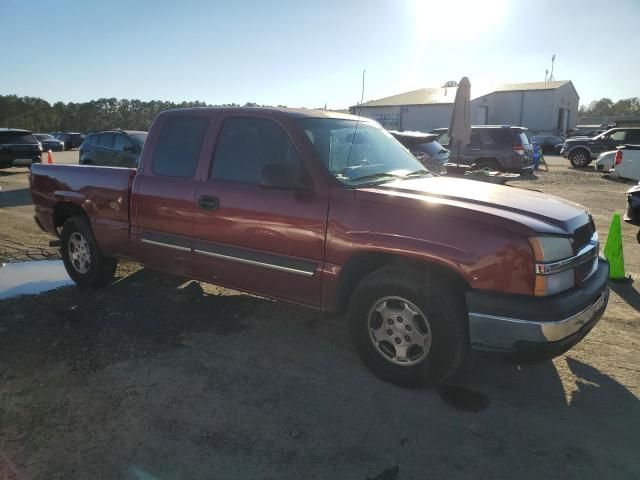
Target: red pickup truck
x=330, y=211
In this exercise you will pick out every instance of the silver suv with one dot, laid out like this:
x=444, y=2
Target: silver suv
x=499, y=147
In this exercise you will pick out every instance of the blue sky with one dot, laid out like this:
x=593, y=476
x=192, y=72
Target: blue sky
x=304, y=53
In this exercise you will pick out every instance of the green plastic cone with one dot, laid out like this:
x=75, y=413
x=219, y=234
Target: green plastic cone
x=613, y=249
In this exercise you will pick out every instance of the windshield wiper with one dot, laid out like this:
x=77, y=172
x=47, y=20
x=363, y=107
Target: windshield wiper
x=419, y=173
x=375, y=176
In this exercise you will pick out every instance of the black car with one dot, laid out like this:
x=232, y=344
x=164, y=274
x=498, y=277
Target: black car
x=49, y=142
x=548, y=143
x=112, y=148
x=581, y=151
x=70, y=139
x=498, y=147
x=18, y=148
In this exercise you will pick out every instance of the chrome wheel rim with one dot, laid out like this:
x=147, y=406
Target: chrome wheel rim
x=79, y=253
x=580, y=159
x=399, y=330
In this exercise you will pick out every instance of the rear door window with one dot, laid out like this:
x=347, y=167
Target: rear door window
x=121, y=142
x=106, y=140
x=178, y=148
x=633, y=136
x=501, y=136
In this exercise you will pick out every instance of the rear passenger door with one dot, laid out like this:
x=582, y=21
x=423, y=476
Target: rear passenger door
x=105, y=152
x=251, y=238
x=164, y=190
x=124, y=152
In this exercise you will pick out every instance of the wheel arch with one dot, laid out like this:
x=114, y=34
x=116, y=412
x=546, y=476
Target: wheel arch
x=360, y=265
x=63, y=211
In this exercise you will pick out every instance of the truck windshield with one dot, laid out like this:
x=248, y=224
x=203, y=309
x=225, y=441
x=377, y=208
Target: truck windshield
x=357, y=154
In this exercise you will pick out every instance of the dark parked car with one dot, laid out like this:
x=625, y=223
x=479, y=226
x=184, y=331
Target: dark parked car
x=70, y=139
x=548, y=143
x=499, y=147
x=112, y=148
x=49, y=142
x=581, y=151
x=18, y=148
x=425, y=148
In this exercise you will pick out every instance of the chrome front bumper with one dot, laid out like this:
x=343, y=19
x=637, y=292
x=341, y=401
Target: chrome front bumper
x=488, y=332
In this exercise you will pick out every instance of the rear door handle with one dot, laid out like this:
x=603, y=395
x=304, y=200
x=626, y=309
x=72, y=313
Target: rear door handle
x=206, y=202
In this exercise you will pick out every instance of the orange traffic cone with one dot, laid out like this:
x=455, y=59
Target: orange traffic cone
x=49, y=157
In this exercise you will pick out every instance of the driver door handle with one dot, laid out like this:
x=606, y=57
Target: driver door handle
x=207, y=202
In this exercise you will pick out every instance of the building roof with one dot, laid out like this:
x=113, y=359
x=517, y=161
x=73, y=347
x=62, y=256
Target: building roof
x=442, y=95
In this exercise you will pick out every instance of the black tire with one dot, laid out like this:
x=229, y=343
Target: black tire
x=440, y=303
x=490, y=163
x=87, y=162
x=638, y=236
x=580, y=158
x=86, y=268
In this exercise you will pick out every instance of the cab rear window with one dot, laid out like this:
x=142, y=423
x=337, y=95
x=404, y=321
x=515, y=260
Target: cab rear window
x=178, y=147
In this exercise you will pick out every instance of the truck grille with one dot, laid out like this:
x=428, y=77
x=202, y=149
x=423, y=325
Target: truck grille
x=582, y=235
x=581, y=238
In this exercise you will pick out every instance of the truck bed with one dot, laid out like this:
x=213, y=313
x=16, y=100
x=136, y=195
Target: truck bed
x=100, y=193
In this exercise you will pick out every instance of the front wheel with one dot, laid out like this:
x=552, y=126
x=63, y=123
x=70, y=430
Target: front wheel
x=410, y=328
x=580, y=158
x=85, y=263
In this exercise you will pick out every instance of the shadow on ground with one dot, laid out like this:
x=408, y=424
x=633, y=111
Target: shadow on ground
x=627, y=292
x=154, y=378
x=15, y=198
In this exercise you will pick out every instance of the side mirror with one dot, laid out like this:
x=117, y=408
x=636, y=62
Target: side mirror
x=128, y=148
x=281, y=177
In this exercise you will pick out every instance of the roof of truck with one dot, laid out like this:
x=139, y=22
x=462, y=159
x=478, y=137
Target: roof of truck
x=290, y=112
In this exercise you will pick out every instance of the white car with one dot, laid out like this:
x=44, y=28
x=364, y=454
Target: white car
x=627, y=163
x=605, y=161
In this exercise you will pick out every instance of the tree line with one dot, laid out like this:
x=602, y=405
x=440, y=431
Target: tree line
x=607, y=107
x=38, y=115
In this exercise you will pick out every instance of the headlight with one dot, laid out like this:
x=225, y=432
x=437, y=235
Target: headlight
x=551, y=276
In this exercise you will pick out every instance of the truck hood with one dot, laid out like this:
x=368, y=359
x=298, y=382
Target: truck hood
x=516, y=209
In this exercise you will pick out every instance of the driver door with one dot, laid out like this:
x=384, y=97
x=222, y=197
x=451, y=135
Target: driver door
x=262, y=240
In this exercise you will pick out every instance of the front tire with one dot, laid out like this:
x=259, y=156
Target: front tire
x=409, y=327
x=580, y=158
x=85, y=263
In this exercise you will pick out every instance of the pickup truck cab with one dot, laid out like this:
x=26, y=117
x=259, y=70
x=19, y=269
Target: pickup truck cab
x=330, y=211
x=581, y=151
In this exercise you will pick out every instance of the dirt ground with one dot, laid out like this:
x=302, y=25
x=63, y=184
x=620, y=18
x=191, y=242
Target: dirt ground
x=158, y=378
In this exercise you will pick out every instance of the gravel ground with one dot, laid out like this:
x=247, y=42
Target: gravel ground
x=158, y=378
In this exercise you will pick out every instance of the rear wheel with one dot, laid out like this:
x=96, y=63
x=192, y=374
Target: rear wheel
x=409, y=327
x=580, y=158
x=85, y=263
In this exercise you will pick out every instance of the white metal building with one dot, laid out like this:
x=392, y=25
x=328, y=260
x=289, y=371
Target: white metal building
x=539, y=106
